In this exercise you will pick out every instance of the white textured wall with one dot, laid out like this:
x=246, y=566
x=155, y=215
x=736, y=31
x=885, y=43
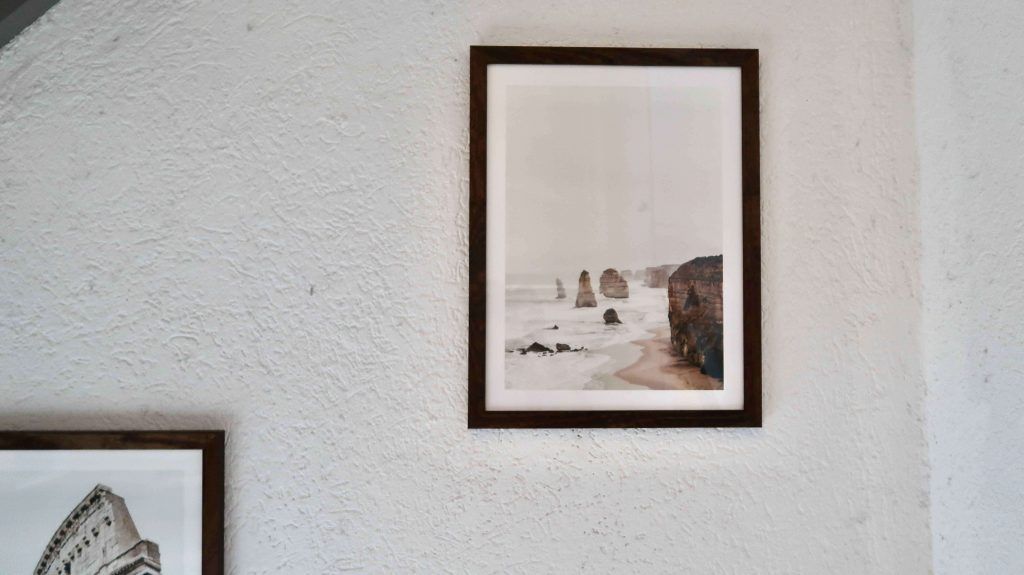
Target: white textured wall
x=970, y=114
x=253, y=215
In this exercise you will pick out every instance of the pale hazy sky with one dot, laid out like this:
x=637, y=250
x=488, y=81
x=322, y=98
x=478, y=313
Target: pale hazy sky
x=611, y=176
x=33, y=503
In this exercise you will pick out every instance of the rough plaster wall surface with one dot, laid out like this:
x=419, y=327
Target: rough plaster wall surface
x=970, y=119
x=252, y=215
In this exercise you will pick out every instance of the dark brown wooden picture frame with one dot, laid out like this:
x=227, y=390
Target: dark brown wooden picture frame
x=747, y=62
x=211, y=443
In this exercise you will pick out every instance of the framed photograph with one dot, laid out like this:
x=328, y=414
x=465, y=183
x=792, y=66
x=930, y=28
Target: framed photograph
x=112, y=503
x=614, y=242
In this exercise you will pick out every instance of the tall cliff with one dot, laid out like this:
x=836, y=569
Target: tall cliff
x=695, y=313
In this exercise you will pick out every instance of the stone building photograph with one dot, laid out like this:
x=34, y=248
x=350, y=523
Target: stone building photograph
x=99, y=537
x=119, y=512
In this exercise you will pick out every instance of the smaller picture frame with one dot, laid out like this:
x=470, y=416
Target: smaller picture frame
x=125, y=502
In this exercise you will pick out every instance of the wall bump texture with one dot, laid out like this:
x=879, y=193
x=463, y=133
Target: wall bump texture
x=253, y=215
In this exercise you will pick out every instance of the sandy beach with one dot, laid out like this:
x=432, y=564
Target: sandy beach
x=633, y=355
x=659, y=368
x=531, y=313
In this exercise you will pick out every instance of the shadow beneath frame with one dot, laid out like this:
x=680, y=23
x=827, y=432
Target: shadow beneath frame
x=114, y=420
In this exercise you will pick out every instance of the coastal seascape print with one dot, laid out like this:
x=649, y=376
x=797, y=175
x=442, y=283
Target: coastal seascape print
x=615, y=241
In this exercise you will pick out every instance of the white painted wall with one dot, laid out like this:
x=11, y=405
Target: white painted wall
x=970, y=117
x=253, y=215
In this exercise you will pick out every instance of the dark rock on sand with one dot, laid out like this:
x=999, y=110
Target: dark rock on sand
x=539, y=348
x=562, y=347
x=611, y=316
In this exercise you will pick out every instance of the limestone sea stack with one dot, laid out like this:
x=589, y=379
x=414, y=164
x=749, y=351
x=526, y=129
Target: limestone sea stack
x=695, y=313
x=657, y=276
x=612, y=284
x=585, y=295
x=559, y=289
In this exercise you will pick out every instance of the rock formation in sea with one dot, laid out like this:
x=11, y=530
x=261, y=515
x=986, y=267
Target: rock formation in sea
x=536, y=347
x=585, y=295
x=695, y=313
x=612, y=284
x=657, y=276
x=611, y=316
x=559, y=289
